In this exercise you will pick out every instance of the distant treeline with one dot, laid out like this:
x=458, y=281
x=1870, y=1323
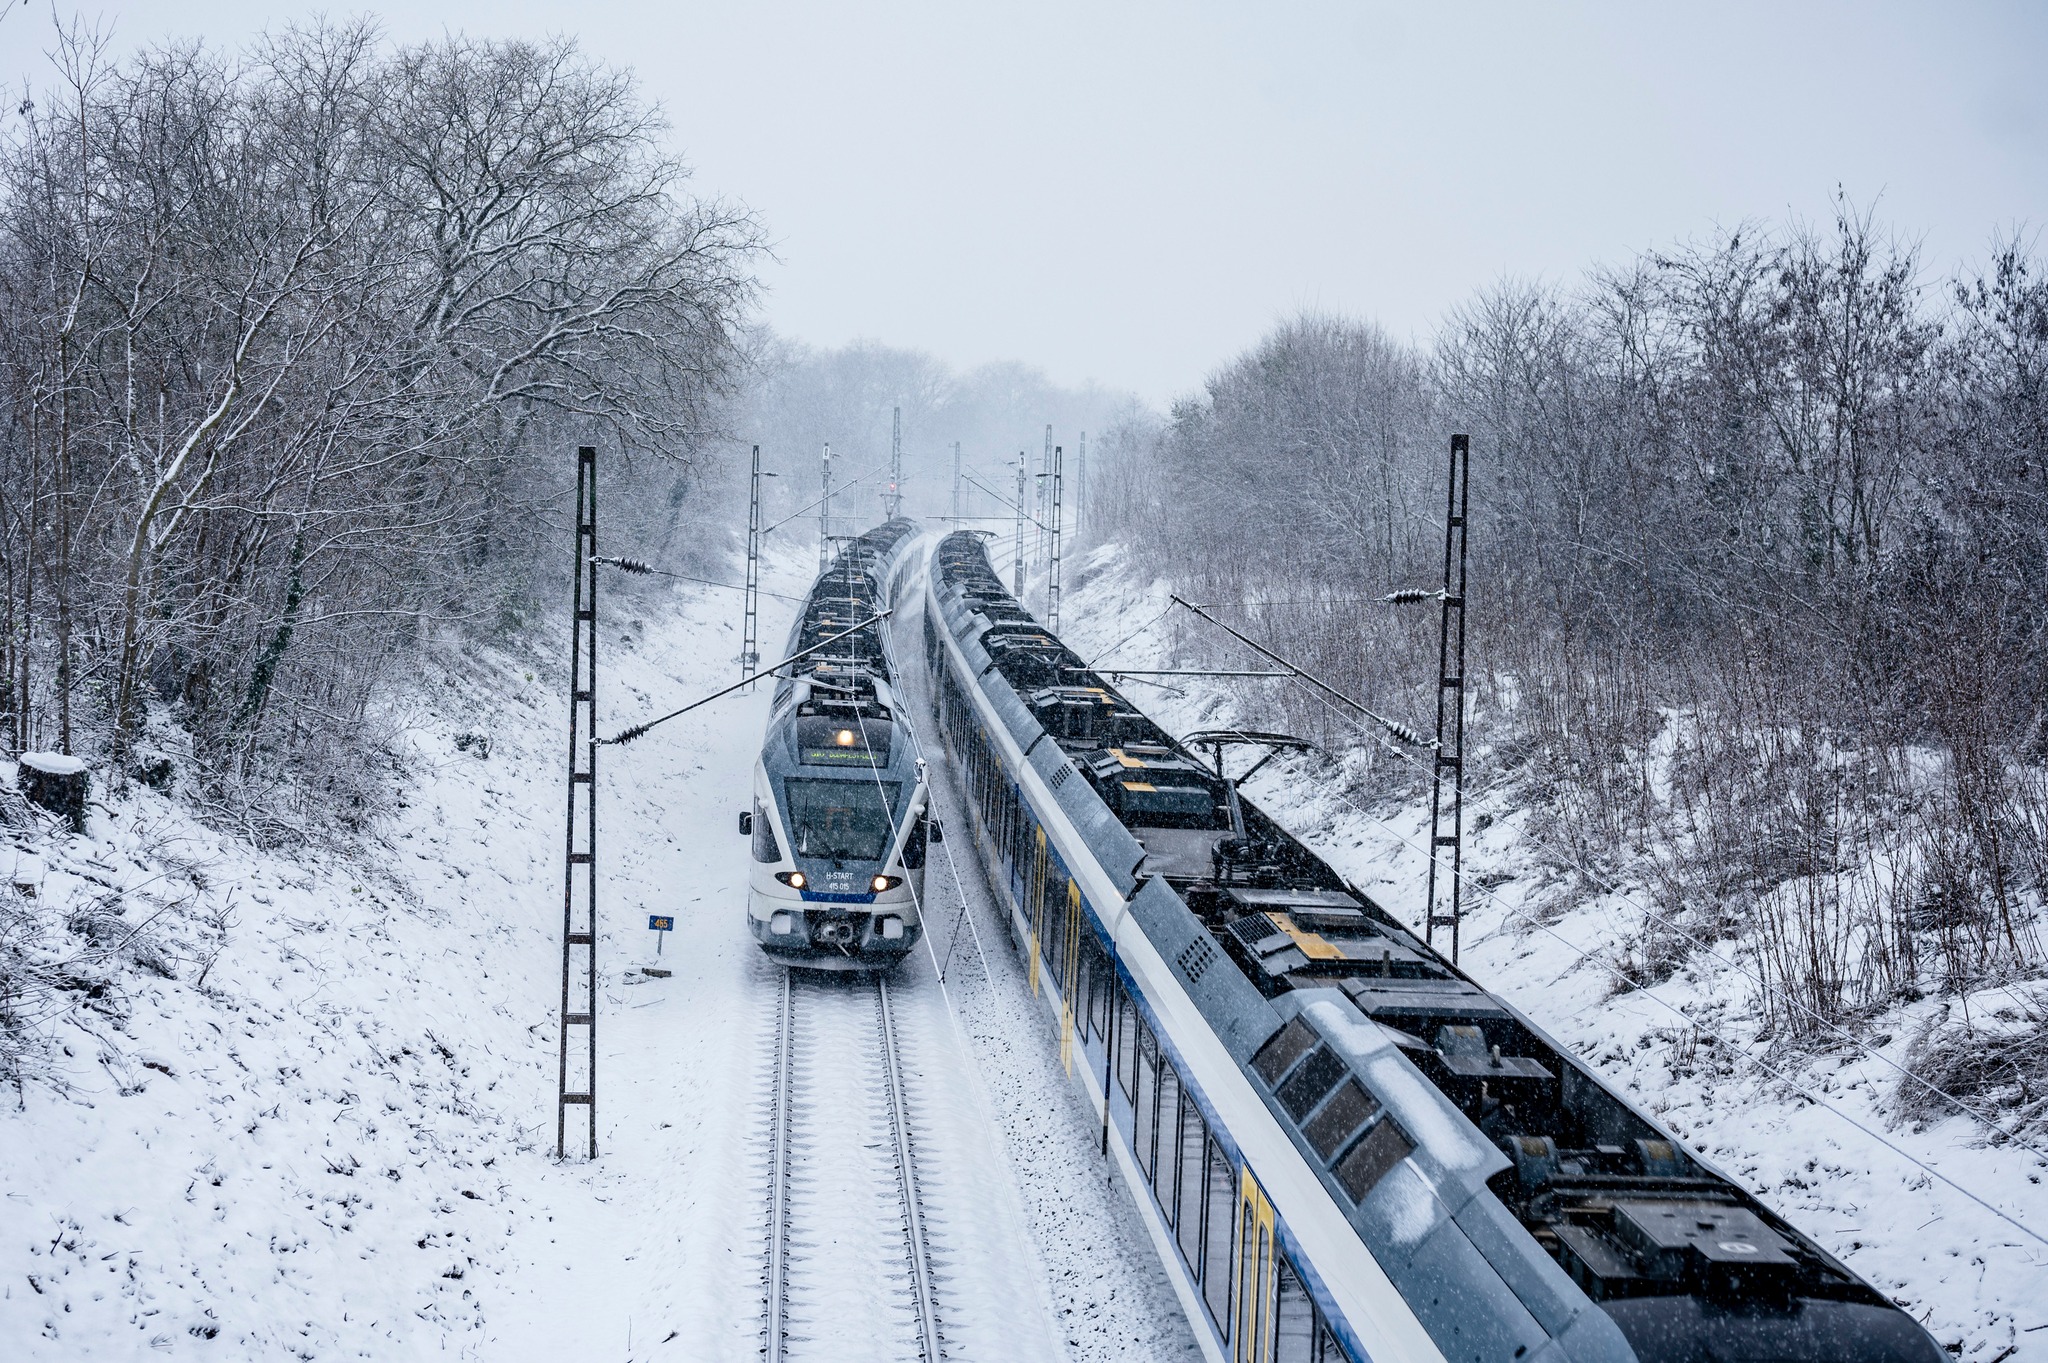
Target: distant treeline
x=1760, y=556
x=292, y=344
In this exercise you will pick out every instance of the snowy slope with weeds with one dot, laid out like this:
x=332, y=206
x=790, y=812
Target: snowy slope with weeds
x=1917, y=1196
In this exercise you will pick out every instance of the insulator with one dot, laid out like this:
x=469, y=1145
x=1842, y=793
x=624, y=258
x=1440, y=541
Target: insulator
x=1408, y=596
x=626, y=565
x=1404, y=733
x=627, y=735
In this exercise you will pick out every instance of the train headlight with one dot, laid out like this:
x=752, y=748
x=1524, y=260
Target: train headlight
x=892, y=929
x=844, y=738
x=881, y=883
x=782, y=924
x=794, y=879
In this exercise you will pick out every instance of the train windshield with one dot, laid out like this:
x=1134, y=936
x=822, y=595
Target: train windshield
x=825, y=741
x=844, y=820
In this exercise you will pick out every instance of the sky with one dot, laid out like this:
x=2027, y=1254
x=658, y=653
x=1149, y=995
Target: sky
x=1131, y=193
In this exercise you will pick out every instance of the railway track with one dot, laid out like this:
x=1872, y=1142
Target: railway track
x=849, y=1268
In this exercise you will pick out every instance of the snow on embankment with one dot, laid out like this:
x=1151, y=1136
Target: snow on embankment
x=1830, y=1159
x=301, y=1104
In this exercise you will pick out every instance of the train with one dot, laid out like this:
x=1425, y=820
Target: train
x=1344, y=1148
x=840, y=825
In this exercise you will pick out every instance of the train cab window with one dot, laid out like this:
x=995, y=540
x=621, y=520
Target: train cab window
x=1311, y=1081
x=1282, y=1049
x=1218, y=1218
x=1348, y=1109
x=845, y=820
x=843, y=741
x=765, y=846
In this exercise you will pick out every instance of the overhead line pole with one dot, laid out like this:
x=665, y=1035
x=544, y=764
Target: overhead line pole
x=1052, y=586
x=956, y=482
x=750, y=642
x=579, y=929
x=895, y=462
x=1080, y=480
x=1450, y=711
x=1044, y=491
x=1017, y=572
x=825, y=510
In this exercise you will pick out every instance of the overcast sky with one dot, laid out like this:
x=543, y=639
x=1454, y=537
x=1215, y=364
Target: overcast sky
x=1131, y=193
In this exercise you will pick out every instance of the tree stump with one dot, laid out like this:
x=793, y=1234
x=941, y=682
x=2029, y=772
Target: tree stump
x=57, y=782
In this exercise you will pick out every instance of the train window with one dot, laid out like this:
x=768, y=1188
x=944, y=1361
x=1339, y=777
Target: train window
x=1165, y=1166
x=1098, y=995
x=1350, y=1108
x=765, y=846
x=1187, y=1216
x=1090, y=987
x=1126, y=1041
x=1311, y=1080
x=1146, y=1105
x=1328, y=1350
x=1385, y=1146
x=1294, y=1319
x=1217, y=1219
x=822, y=740
x=914, y=845
x=845, y=820
x=1282, y=1049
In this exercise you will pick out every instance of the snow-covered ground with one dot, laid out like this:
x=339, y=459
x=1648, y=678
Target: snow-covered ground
x=1829, y=1159
x=322, y=1124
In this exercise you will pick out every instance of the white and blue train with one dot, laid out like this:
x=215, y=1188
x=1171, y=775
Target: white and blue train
x=1344, y=1148
x=839, y=822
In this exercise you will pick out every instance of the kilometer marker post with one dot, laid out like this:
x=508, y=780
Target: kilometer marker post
x=661, y=925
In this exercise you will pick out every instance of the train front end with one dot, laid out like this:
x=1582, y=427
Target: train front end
x=839, y=834
x=838, y=821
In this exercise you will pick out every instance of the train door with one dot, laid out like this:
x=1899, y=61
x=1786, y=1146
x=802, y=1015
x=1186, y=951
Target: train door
x=1034, y=903
x=1255, y=1253
x=1070, y=975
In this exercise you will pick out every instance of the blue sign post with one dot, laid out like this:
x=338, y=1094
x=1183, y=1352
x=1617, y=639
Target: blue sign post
x=661, y=924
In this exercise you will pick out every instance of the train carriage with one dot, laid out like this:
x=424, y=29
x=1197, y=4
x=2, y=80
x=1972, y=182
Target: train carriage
x=1343, y=1147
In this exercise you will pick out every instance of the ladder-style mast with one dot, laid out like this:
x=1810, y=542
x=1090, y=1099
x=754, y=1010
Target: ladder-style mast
x=895, y=463
x=1040, y=502
x=1080, y=480
x=750, y=641
x=579, y=909
x=1052, y=587
x=825, y=510
x=1447, y=805
x=1017, y=571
